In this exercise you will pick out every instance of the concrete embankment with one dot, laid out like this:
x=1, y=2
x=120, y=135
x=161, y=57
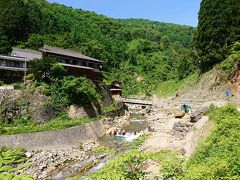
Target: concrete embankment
x=60, y=139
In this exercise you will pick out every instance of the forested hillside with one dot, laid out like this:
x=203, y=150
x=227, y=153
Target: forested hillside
x=140, y=53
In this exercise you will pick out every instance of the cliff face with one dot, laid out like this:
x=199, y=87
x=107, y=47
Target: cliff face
x=15, y=104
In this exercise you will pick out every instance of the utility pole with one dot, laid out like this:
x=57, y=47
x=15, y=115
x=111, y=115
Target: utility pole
x=25, y=72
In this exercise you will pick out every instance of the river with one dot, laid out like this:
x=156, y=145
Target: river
x=134, y=129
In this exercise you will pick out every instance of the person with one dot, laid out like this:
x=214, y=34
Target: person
x=186, y=108
x=227, y=94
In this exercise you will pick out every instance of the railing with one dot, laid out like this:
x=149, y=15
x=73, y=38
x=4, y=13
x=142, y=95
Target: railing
x=13, y=68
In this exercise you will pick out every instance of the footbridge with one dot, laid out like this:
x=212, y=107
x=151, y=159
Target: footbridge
x=137, y=101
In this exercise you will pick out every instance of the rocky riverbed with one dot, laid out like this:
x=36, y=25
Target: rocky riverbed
x=168, y=126
x=43, y=163
x=61, y=163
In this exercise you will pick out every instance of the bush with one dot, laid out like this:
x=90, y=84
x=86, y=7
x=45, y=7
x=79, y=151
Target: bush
x=29, y=77
x=71, y=90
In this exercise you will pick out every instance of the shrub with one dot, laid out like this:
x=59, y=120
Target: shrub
x=29, y=77
x=71, y=90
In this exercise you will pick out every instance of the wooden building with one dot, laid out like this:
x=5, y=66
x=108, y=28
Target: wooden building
x=116, y=90
x=76, y=63
x=14, y=67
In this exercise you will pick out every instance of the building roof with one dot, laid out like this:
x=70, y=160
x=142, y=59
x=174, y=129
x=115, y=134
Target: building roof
x=26, y=53
x=66, y=52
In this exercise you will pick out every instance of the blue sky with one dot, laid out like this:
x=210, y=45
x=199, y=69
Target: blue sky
x=173, y=11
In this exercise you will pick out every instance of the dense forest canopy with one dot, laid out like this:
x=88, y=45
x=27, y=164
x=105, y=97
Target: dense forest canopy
x=218, y=29
x=136, y=51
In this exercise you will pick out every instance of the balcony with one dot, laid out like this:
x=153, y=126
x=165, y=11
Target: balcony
x=10, y=68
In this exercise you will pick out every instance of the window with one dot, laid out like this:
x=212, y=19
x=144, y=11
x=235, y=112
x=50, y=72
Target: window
x=84, y=63
x=16, y=64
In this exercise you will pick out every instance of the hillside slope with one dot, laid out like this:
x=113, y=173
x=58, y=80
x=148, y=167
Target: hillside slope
x=140, y=53
x=212, y=85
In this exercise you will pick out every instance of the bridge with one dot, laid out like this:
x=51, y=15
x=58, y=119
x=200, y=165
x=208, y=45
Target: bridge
x=137, y=101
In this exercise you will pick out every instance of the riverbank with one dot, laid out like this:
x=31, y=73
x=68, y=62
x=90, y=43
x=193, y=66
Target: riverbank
x=166, y=130
x=61, y=139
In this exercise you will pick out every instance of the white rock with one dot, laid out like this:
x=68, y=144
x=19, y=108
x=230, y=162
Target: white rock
x=28, y=154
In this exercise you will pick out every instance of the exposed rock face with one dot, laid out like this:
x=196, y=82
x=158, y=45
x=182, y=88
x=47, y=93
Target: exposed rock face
x=91, y=110
x=15, y=104
x=77, y=112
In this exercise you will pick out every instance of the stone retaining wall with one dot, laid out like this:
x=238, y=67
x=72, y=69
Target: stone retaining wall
x=60, y=139
x=202, y=129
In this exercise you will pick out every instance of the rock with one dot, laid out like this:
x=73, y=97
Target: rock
x=28, y=154
x=179, y=114
x=186, y=129
x=76, y=112
x=123, y=132
x=151, y=128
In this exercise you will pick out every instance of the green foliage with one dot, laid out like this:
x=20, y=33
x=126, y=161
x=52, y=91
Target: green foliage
x=12, y=23
x=169, y=88
x=5, y=176
x=29, y=77
x=125, y=166
x=11, y=159
x=231, y=64
x=131, y=48
x=218, y=28
x=139, y=141
x=61, y=122
x=174, y=167
x=103, y=149
x=46, y=69
x=218, y=157
x=71, y=90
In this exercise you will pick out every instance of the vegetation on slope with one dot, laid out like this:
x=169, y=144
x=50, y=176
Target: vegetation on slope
x=63, y=91
x=218, y=158
x=140, y=53
x=21, y=126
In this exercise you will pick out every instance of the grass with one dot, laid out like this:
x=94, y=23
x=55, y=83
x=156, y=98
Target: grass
x=169, y=88
x=27, y=126
x=103, y=149
x=218, y=156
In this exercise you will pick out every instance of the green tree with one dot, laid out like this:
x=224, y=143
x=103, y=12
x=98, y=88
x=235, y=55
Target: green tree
x=72, y=90
x=46, y=69
x=13, y=20
x=218, y=28
x=165, y=42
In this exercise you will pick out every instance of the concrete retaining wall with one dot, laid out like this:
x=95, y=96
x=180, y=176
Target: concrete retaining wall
x=60, y=139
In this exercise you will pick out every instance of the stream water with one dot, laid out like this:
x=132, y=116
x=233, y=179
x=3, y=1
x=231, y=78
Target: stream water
x=134, y=129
